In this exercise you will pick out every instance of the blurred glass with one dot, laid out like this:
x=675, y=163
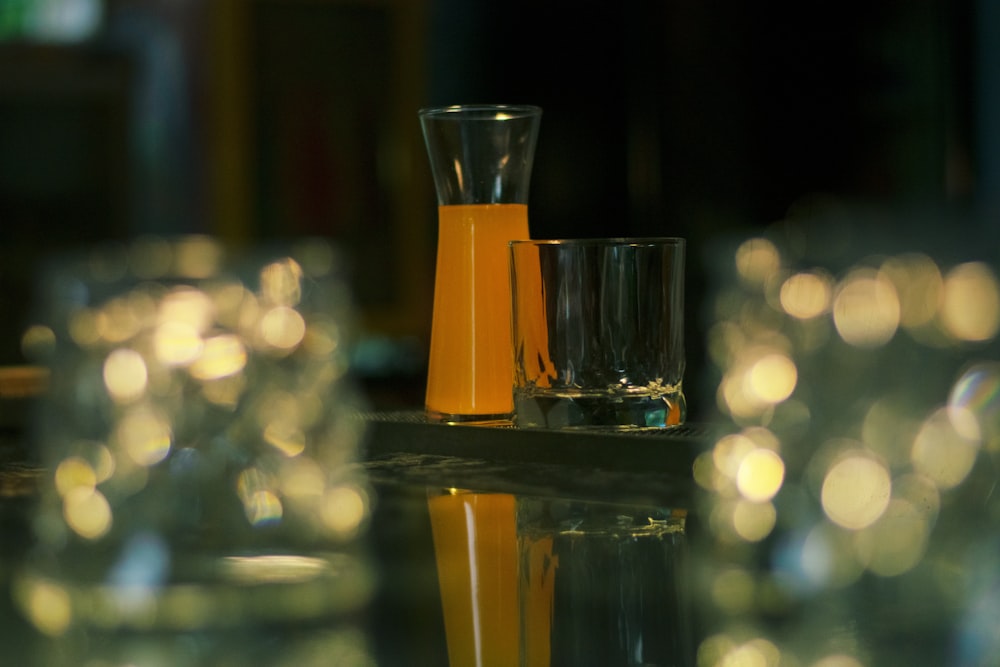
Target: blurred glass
x=200, y=440
x=50, y=20
x=850, y=507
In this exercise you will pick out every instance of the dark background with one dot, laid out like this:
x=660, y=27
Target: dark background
x=708, y=119
x=272, y=118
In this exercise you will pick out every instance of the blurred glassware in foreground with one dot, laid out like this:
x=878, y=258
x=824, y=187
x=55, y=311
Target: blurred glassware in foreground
x=200, y=443
x=850, y=509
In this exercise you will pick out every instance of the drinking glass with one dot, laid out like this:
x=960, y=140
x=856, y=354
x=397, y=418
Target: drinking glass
x=200, y=438
x=598, y=332
x=481, y=158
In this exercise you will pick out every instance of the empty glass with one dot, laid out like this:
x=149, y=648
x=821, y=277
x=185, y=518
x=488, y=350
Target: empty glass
x=598, y=332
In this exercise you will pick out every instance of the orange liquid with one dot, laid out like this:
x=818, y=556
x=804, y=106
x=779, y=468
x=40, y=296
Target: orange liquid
x=537, y=605
x=475, y=543
x=470, y=370
x=533, y=365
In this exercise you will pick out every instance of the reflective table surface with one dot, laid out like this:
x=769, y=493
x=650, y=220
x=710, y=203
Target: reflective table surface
x=408, y=460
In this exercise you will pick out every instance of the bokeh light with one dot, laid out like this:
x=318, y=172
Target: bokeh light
x=756, y=260
x=856, y=490
x=222, y=356
x=866, y=308
x=198, y=393
x=978, y=391
x=282, y=327
x=87, y=512
x=850, y=502
x=753, y=521
x=74, y=473
x=125, y=375
x=344, y=509
x=772, y=378
x=759, y=377
x=145, y=435
x=760, y=475
x=806, y=295
x=280, y=283
x=971, y=302
x=838, y=660
x=946, y=446
x=46, y=604
x=918, y=282
x=896, y=541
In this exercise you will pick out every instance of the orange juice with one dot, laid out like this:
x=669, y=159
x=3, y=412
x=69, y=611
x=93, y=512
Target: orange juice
x=470, y=370
x=475, y=543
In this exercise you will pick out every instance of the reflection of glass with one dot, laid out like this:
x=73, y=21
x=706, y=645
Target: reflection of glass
x=598, y=332
x=481, y=159
x=476, y=548
x=198, y=435
x=602, y=584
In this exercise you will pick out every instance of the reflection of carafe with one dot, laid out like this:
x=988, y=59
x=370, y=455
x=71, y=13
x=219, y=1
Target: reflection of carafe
x=475, y=546
x=481, y=159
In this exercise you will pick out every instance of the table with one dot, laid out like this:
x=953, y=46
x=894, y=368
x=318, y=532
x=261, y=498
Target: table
x=405, y=455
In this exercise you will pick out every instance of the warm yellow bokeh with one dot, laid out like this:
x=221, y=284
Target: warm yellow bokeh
x=48, y=606
x=758, y=377
x=760, y=475
x=729, y=451
x=302, y=478
x=946, y=447
x=919, y=284
x=74, y=473
x=87, y=512
x=197, y=257
x=145, y=434
x=344, y=509
x=856, y=490
x=970, y=308
x=263, y=507
x=186, y=306
x=838, y=660
x=866, y=310
x=732, y=590
x=125, y=375
x=772, y=378
x=286, y=437
x=282, y=327
x=757, y=260
x=280, y=282
x=177, y=343
x=896, y=542
x=806, y=295
x=753, y=521
x=222, y=356
x=117, y=322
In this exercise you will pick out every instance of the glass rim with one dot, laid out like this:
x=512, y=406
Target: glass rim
x=481, y=111
x=620, y=241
